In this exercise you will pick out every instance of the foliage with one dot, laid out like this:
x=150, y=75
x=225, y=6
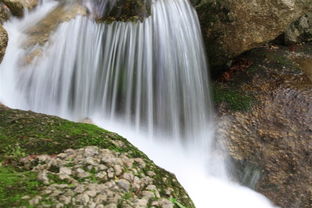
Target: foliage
x=14, y=185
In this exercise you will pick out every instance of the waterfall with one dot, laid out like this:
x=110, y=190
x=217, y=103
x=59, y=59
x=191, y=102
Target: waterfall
x=146, y=79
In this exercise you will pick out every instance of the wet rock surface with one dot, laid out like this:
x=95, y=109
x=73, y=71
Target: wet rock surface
x=39, y=34
x=4, y=13
x=17, y=7
x=270, y=143
x=3, y=42
x=121, y=10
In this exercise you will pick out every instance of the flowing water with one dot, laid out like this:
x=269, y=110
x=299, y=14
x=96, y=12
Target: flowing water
x=144, y=80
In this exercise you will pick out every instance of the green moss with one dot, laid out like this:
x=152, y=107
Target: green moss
x=176, y=203
x=127, y=195
x=15, y=185
x=279, y=59
x=27, y=133
x=236, y=100
x=24, y=133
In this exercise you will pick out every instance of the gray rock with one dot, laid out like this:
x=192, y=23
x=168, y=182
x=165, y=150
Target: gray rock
x=124, y=184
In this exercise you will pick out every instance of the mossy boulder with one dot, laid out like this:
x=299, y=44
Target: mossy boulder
x=270, y=143
x=44, y=156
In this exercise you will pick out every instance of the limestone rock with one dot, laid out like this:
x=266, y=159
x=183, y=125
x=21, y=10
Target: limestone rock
x=3, y=41
x=17, y=6
x=271, y=144
x=39, y=34
x=231, y=27
x=92, y=188
x=300, y=30
x=4, y=13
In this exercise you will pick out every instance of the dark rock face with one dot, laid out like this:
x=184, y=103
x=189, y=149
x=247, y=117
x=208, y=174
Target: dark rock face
x=271, y=144
x=231, y=27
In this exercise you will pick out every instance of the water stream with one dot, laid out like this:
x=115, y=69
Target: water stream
x=144, y=80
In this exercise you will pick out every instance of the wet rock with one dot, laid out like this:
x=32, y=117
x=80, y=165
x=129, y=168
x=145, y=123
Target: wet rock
x=270, y=143
x=39, y=34
x=3, y=42
x=4, y=13
x=17, y=7
x=121, y=10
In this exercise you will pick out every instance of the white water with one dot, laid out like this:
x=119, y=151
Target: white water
x=147, y=81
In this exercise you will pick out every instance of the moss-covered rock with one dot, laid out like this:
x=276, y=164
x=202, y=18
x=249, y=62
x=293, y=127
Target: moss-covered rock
x=31, y=144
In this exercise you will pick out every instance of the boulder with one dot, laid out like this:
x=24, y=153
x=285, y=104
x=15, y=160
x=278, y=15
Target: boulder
x=39, y=34
x=4, y=13
x=121, y=10
x=77, y=164
x=17, y=7
x=231, y=27
x=270, y=143
x=300, y=30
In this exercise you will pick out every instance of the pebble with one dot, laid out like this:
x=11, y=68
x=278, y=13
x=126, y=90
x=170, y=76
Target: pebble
x=95, y=178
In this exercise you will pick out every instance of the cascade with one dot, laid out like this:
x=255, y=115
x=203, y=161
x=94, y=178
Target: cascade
x=143, y=76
